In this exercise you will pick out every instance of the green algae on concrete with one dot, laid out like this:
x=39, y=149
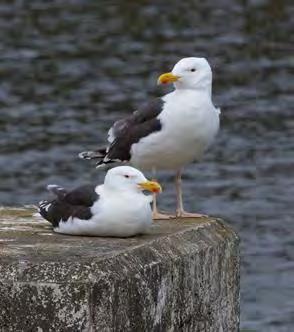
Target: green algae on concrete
x=181, y=276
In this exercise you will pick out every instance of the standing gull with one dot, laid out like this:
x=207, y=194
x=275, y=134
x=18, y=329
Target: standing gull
x=116, y=208
x=169, y=132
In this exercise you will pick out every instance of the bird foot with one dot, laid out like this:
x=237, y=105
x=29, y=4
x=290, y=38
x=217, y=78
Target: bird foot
x=184, y=214
x=161, y=216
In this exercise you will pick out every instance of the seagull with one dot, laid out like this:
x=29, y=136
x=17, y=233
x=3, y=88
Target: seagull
x=168, y=132
x=117, y=208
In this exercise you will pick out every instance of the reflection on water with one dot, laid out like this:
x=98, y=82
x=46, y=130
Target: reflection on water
x=69, y=70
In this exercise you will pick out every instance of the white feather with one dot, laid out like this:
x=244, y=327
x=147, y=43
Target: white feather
x=190, y=122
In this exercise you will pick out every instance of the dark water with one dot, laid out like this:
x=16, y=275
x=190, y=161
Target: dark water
x=68, y=69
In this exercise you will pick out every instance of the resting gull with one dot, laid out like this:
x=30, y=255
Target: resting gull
x=116, y=208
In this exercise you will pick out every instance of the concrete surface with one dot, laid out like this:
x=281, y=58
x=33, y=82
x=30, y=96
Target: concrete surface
x=182, y=276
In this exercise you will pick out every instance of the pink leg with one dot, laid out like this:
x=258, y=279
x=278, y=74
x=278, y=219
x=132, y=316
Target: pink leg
x=156, y=215
x=180, y=212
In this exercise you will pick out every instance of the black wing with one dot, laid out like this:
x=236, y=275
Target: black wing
x=83, y=195
x=148, y=112
x=76, y=204
x=130, y=130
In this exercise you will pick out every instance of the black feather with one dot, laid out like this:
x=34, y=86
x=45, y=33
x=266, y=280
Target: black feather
x=127, y=132
x=76, y=204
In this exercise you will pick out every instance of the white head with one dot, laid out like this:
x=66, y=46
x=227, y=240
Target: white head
x=189, y=73
x=126, y=178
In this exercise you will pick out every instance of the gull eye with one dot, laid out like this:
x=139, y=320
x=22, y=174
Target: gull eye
x=126, y=176
x=193, y=69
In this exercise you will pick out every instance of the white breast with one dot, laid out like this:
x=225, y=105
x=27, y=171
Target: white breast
x=189, y=125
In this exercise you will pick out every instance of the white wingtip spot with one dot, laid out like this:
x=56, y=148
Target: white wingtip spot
x=82, y=155
x=44, y=205
x=52, y=186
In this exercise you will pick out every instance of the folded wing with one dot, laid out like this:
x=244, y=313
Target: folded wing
x=68, y=204
x=128, y=131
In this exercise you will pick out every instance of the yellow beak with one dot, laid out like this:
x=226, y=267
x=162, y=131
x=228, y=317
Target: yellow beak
x=167, y=78
x=152, y=186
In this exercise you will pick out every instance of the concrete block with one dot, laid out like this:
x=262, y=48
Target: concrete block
x=181, y=276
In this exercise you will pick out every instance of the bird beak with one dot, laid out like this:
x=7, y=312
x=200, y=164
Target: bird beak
x=167, y=78
x=152, y=186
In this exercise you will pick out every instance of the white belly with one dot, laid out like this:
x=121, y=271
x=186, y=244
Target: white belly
x=183, y=138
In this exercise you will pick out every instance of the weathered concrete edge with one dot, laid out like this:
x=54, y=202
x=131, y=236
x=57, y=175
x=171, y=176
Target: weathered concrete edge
x=84, y=271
